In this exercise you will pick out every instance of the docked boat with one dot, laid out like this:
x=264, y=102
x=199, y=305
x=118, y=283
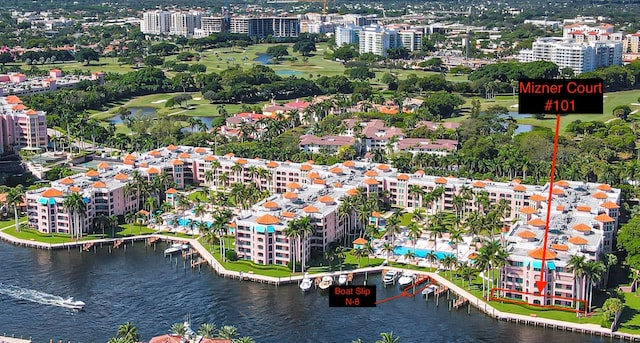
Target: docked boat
x=406, y=279
x=306, y=283
x=429, y=290
x=72, y=304
x=390, y=277
x=325, y=282
x=342, y=279
x=175, y=248
x=184, y=246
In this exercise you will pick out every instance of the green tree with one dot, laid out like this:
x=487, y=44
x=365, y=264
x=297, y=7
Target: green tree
x=277, y=51
x=128, y=332
x=387, y=337
x=76, y=208
x=15, y=197
x=207, y=330
x=304, y=47
x=629, y=240
x=87, y=55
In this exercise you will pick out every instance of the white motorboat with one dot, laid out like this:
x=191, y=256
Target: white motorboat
x=325, y=282
x=342, y=279
x=72, y=304
x=406, y=279
x=390, y=277
x=429, y=290
x=172, y=250
x=306, y=283
x=184, y=246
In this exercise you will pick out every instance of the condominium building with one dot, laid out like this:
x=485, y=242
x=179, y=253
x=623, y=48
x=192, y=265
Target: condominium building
x=155, y=22
x=411, y=39
x=583, y=221
x=348, y=34
x=377, y=40
x=581, y=57
x=184, y=24
x=21, y=127
x=209, y=25
x=265, y=26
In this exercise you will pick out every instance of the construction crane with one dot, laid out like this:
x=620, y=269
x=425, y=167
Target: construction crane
x=324, y=4
x=276, y=2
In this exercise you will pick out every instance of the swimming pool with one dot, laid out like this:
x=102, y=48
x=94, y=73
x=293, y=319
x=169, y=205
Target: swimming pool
x=400, y=250
x=187, y=222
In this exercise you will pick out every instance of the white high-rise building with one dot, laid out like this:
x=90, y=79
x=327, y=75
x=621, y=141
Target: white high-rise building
x=184, y=24
x=377, y=40
x=411, y=39
x=348, y=34
x=155, y=22
x=581, y=57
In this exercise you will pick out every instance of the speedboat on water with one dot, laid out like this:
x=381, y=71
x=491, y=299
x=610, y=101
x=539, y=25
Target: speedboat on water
x=306, y=283
x=325, y=282
x=184, y=246
x=406, y=279
x=72, y=304
x=429, y=289
x=342, y=279
x=172, y=250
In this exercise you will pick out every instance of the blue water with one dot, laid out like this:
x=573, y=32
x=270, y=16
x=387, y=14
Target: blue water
x=262, y=58
x=187, y=222
x=400, y=250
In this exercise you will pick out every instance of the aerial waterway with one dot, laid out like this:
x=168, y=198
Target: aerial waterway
x=153, y=291
x=38, y=297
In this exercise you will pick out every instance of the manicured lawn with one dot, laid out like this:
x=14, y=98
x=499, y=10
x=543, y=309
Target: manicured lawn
x=405, y=220
x=178, y=234
x=48, y=238
x=10, y=221
x=630, y=318
x=126, y=230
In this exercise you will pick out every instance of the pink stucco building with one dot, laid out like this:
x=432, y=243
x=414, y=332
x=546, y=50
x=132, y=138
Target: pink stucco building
x=21, y=127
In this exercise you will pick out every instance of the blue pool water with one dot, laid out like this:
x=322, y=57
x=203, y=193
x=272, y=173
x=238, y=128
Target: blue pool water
x=400, y=250
x=187, y=222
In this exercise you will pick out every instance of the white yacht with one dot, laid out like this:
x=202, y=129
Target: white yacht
x=306, y=283
x=72, y=304
x=326, y=282
x=390, y=277
x=406, y=279
x=175, y=248
x=429, y=290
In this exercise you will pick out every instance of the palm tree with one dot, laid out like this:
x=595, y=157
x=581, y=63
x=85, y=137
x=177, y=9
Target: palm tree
x=432, y=257
x=178, y=329
x=388, y=249
x=358, y=252
x=387, y=337
x=578, y=265
x=15, y=197
x=207, y=330
x=129, y=332
x=76, y=207
x=410, y=256
x=305, y=228
x=228, y=332
x=292, y=233
x=414, y=233
x=594, y=272
x=245, y=339
x=118, y=340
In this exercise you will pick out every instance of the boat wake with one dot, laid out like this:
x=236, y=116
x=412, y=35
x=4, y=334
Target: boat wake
x=40, y=297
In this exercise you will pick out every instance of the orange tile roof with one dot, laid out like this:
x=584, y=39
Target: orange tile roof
x=19, y=107
x=537, y=222
x=171, y=191
x=209, y=158
x=472, y=256
x=538, y=253
x=403, y=177
x=103, y=165
x=99, y=184
x=92, y=173
x=349, y=164
x=537, y=197
x=371, y=173
x=232, y=224
x=121, y=177
x=272, y=164
x=603, y=218
x=177, y=162
x=599, y=195
x=129, y=157
x=267, y=219
x=578, y=241
x=153, y=170
x=560, y=247
x=12, y=99
x=271, y=205
x=311, y=162
x=360, y=241
x=336, y=170
x=305, y=167
x=326, y=199
x=241, y=161
x=582, y=227
x=67, y=181
x=419, y=172
x=143, y=164
x=52, y=193
x=31, y=112
x=558, y=191
x=371, y=182
x=383, y=167
x=293, y=185
x=288, y=214
x=609, y=205
x=562, y=183
x=318, y=182
x=526, y=234
x=313, y=175
x=518, y=181
x=441, y=180
x=230, y=154
x=353, y=191
x=528, y=210
x=74, y=189
x=145, y=212
x=479, y=184
x=519, y=188
x=155, y=153
x=184, y=155
x=290, y=195
x=200, y=150
x=604, y=187
x=560, y=208
x=310, y=209
x=128, y=162
x=172, y=147
x=337, y=185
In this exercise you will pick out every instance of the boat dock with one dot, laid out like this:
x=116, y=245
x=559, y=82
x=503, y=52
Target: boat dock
x=5, y=339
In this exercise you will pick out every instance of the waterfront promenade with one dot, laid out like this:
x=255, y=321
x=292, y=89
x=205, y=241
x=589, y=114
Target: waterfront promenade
x=205, y=255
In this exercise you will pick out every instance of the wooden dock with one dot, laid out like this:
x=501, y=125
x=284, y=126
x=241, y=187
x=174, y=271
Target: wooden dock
x=5, y=339
x=117, y=243
x=87, y=246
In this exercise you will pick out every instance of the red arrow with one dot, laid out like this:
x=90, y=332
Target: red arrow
x=542, y=284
